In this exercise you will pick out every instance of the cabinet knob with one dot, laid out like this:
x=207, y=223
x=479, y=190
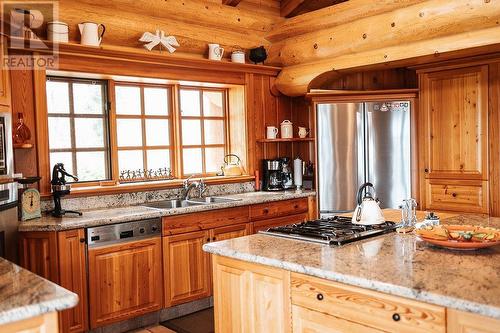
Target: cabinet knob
x=320, y=296
x=82, y=240
x=454, y=195
x=213, y=238
x=426, y=170
x=266, y=210
x=208, y=239
x=296, y=206
x=396, y=317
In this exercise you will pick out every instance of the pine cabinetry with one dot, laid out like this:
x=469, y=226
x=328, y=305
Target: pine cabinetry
x=250, y=298
x=273, y=214
x=454, y=139
x=125, y=280
x=464, y=322
x=42, y=324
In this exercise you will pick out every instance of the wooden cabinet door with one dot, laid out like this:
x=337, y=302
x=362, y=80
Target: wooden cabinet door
x=4, y=75
x=229, y=232
x=465, y=322
x=455, y=126
x=276, y=222
x=125, y=280
x=308, y=321
x=41, y=324
x=73, y=276
x=38, y=253
x=186, y=267
x=250, y=298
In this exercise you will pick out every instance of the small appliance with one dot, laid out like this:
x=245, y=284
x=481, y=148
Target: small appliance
x=286, y=174
x=368, y=211
x=60, y=189
x=272, y=175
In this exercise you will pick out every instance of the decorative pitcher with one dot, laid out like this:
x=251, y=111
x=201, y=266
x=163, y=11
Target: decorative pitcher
x=90, y=33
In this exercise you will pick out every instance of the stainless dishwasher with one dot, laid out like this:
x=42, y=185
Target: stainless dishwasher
x=125, y=271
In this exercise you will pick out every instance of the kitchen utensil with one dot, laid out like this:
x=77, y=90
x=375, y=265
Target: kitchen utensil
x=60, y=189
x=271, y=132
x=57, y=31
x=238, y=56
x=409, y=213
x=368, y=211
x=215, y=52
x=286, y=129
x=90, y=33
x=231, y=167
x=303, y=132
x=258, y=54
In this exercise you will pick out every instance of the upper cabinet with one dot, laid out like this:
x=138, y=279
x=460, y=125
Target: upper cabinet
x=4, y=75
x=454, y=139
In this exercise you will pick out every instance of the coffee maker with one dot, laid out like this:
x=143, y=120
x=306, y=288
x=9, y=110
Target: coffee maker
x=272, y=175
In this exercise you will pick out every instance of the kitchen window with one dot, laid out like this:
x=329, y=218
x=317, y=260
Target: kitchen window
x=78, y=127
x=203, y=128
x=130, y=132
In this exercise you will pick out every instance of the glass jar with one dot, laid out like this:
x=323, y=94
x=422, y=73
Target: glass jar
x=22, y=133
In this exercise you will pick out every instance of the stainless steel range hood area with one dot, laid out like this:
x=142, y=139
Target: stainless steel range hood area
x=363, y=142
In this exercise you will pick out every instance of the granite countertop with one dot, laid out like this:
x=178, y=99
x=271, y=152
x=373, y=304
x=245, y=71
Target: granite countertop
x=396, y=264
x=24, y=294
x=92, y=218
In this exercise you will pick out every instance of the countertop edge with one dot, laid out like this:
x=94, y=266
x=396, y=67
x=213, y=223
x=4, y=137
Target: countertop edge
x=34, y=310
x=32, y=225
x=414, y=294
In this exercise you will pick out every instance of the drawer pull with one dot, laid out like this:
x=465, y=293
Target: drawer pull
x=426, y=170
x=213, y=238
x=82, y=240
x=454, y=195
x=396, y=317
x=296, y=206
x=266, y=210
x=208, y=240
x=320, y=296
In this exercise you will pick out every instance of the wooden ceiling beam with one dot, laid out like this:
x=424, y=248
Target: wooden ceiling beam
x=288, y=6
x=232, y=3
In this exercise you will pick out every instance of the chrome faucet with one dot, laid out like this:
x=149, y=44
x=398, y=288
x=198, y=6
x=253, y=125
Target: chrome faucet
x=187, y=186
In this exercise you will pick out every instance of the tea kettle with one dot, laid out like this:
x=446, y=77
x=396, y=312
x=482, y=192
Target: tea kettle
x=368, y=211
x=232, y=168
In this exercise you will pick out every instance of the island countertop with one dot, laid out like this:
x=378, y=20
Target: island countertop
x=98, y=217
x=396, y=264
x=24, y=295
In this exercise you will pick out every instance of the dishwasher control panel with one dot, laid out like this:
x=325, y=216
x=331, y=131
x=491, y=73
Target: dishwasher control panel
x=123, y=232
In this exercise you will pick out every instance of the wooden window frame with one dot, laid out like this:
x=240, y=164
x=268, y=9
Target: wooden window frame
x=143, y=117
x=225, y=119
x=73, y=150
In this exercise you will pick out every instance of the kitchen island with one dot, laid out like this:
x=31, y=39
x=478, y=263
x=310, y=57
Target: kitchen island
x=390, y=283
x=29, y=302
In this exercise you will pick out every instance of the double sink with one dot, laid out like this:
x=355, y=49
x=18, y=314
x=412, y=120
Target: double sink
x=178, y=203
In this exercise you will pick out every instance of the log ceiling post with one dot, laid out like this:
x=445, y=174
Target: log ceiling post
x=233, y=3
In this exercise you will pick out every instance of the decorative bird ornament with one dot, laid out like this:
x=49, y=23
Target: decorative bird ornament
x=159, y=38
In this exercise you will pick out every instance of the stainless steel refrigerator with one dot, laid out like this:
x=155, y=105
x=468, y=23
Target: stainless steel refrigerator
x=363, y=142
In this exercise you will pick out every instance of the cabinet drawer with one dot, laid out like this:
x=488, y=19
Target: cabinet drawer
x=457, y=195
x=307, y=321
x=279, y=208
x=366, y=307
x=284, y=220
x=178, y=224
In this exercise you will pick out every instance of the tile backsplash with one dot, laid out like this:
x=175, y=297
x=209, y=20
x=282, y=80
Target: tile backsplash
x=137, y=198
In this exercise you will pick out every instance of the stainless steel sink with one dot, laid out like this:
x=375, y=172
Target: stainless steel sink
x=169, y=204
x=210, y=200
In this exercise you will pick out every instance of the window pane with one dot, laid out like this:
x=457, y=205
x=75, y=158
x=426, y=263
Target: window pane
x=213, y=103
x=128, y=100
x=214, y=132
x=130, y=160
x=190, y=102
x=192, y=161
x=88, y=98
x=59, y=133
x=214, y=159
x=158, y=158
x=156, y=101
x=91, y=166
x=89, y=132
x=57, y=97
x=191, y=132
x=64, y=158
x=129, y=132
x=157, y=132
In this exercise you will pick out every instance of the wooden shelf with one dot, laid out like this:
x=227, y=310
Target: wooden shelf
x=23, y=145
x=285, y=140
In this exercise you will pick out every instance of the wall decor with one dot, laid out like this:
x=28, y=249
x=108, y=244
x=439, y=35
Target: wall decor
x=159, y=38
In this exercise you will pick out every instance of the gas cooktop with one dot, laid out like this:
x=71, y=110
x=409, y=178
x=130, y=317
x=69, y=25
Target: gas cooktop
x=336, y=230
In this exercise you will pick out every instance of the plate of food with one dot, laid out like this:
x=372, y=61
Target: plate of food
x=460, y=237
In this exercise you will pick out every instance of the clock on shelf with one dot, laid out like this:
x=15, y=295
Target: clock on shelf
x=29, y=199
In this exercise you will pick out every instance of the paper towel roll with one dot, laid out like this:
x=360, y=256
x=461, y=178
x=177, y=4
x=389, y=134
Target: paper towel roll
x=297, y=172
